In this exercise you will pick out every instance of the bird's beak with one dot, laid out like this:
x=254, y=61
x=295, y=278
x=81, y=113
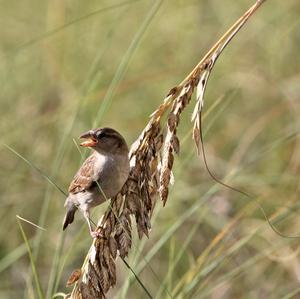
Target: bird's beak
x=91, y=140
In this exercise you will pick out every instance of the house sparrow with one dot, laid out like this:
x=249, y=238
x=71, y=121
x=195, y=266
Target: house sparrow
x=101, y=176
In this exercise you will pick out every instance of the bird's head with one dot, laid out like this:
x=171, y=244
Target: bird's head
x=105, y=140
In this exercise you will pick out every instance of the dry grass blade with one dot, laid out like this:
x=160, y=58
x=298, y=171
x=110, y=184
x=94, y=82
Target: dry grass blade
x=202, y=71
x=151, y=160
x=30, y=222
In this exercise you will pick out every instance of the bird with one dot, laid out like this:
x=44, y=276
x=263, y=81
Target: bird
x=101, y=176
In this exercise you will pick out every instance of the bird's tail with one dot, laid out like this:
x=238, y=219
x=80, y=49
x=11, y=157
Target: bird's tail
x=69, y=217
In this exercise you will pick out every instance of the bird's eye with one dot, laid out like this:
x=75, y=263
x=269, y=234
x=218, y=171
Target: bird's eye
x=99, y=134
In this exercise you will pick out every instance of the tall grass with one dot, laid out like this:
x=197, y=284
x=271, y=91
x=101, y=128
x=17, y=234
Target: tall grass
x=57, y=62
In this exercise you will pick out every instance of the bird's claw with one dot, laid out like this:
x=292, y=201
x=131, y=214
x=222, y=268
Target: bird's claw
x=96, y=234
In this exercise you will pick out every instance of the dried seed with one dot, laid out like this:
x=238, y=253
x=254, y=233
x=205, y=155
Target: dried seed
x=175, y=144
x=74, y=277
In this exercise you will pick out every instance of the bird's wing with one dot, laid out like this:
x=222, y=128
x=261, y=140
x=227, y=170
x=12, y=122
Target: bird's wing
x=84, y=177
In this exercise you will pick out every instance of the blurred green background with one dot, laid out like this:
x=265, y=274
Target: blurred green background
x=68, y=66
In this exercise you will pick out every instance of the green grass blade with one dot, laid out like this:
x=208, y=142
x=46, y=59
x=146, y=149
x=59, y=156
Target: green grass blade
x=177, y=258
x=292, y=294
x=47, y=178
x=241, y=268
x=12, y=257
x=176, y=225
x=75, y=21
x=138, y=279
x=123, y=66
x=55, y=265
x=32, y=262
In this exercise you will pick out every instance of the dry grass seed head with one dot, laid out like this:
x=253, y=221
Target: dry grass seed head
x=149, y=175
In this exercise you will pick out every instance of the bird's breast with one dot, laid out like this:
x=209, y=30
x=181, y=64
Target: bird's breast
x=112, y=172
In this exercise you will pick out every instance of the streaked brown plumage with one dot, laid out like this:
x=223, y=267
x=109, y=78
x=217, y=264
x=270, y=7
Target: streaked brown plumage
x=101, y=176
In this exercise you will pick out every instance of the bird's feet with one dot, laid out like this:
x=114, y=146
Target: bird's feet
x=96, y=234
